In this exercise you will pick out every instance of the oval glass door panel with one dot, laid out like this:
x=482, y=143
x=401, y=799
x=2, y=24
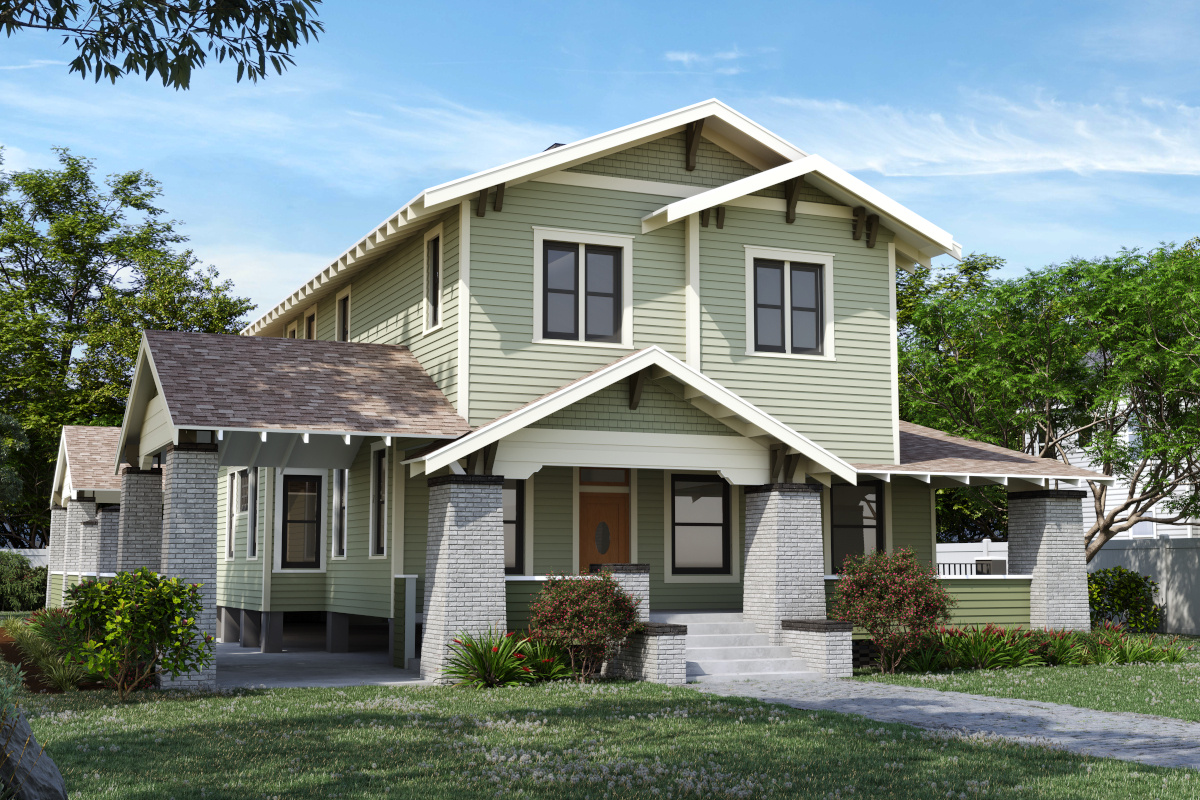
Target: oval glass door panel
x=603, y=538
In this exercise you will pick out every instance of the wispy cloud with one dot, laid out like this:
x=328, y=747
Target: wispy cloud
x=37, y=63
x=988, y=134
x=719, y=62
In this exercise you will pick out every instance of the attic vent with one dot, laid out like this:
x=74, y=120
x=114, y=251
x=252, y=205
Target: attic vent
x=556, y=144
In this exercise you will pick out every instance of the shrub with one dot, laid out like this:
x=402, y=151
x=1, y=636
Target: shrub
x=1123, y=596
x=48, y=656
x=895, y=598
x=137, y=626
x=588, y=618
x=492, y=659
x=22, y=586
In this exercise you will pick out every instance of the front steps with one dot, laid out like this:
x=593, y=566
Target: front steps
x=720, y=646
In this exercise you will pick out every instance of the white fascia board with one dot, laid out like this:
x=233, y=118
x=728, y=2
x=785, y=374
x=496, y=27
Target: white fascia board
x=144, y=362
x=681, y=209
x=60, y=467
x=1000, y=478
x=618, y=139
x=653, y=356
x=310, y=432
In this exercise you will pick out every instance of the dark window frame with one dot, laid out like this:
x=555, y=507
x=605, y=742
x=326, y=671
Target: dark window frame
x=519, y=522
x=726, y=527
x=341, y=478
x=615, y=294
x=819, y=310
x=880, y=519
x=343, y=312
x=433, y=282
x=231, y=489
x=310, y=326
x=768, y=263
x=547, y=291
x=243, y=491
x=284, y=563
x=379, y=502
x=252, y=513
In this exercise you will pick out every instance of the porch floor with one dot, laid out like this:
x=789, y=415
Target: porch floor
x=239, y=666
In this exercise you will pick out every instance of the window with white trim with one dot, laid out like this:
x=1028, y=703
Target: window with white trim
x=788, y=303
x=231, y=500
x=582, y=287
x=434, y=279
x=514, y=527
x=252, y=513
x=342, y=316
x=310, y=323
x=301, y=534
x=341, y=480
x=379, y=478
x=700, y=525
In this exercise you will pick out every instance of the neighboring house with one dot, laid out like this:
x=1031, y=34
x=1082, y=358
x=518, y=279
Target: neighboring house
x=670, y=347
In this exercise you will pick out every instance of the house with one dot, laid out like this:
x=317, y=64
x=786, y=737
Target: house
x=669, y=348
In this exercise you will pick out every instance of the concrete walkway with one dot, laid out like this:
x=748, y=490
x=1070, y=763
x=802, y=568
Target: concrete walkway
x=246, y=667
x=1160, y=741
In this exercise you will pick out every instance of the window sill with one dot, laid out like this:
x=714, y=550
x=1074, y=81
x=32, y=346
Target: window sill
x=299, y=570
x=377, y=557
x=690, y=577
x=796, y=356
x=434, y=329
x=578, y=343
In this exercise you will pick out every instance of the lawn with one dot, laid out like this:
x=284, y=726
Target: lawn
x=1166, y=690
x=555, y=741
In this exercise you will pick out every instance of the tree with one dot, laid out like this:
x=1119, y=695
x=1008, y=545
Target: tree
x=1093, y=362
x=170, y=38
x=84, y=267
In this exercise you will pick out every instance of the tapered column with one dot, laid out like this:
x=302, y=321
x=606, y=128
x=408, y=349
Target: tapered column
x=464, y=564
x=785, y=562
x=139, y=535
x=1045, y=540
x=83, y=537
x=189, y=537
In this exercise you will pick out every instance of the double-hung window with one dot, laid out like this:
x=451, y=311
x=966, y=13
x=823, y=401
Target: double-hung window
x=341, y=478
x=434, y=287
x=514, y=527
x=856, y=521
x=343, y=316
x=301, y=545
x=788, y=308
x=251, y=512
x=582, y=286
x=231, y=510
x=379, y=473
x=700, y=525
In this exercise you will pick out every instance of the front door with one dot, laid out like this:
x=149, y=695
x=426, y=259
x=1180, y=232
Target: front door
x=603, y=529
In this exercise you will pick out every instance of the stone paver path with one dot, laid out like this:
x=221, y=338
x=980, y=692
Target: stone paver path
x=1133, y=737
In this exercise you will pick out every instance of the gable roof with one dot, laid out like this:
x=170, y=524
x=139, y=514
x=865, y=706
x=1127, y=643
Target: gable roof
x=723, y=126
x=650, y=358
x=240, y=383
x=926, y=452
x=85, y=459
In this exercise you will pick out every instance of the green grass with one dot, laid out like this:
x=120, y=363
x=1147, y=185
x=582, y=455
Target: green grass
x=1165, y=690
x=559, y=741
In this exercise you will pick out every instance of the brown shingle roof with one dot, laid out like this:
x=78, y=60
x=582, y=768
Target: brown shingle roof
x=91, y=453
x=215, y=381
x=928, y=450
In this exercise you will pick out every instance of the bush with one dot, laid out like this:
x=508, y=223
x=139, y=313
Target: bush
x=137, y=626
x=22, y=586
x=895, y=598
x=587, y=618
x=496, y=659
x=1122, y=596
x=44, y=648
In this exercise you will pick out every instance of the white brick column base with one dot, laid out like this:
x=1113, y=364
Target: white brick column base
x=823, y=644
x=139, y=535
x=464, y=565
x=784, y=574
x=1045, y=540
x=657, y=655
x=189, y=538
x=58, y=549
x=635, y=580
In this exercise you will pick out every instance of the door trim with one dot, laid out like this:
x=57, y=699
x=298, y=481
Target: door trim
x=633, y=516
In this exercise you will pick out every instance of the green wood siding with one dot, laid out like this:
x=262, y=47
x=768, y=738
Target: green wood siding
x=911, y=523
x=659, y=412
x=55, y=594
x=517, y=597
x=1004, y=601
x=553, y=534
x=507, y=368
x=239, y=581
x=416, y=521
x=844, y=405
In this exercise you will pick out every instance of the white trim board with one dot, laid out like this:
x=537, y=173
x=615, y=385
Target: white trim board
x=543, y=234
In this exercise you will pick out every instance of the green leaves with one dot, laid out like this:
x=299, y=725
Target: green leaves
x=115, y=38
x=1122, y=596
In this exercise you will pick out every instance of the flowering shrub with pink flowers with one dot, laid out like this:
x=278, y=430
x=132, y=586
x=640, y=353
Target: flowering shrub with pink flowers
x=587, y=618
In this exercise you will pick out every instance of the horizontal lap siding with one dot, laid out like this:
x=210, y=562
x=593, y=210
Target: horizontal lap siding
x=553, y=534
x=665, y=160
x=507, y=368
x=912, y=526
x=517, y=597
x=239, y=582
x=1004, y=601
x=358, y=584
x=416, y=521
x=844, y=405
x=658, y=412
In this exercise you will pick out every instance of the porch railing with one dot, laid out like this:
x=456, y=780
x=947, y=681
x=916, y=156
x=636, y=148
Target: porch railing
x=981, y=566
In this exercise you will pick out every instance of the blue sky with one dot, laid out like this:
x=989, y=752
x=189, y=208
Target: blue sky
x=1032, y=131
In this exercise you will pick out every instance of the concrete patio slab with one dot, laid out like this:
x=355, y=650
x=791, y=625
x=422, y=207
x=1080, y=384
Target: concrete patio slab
x=246, y=667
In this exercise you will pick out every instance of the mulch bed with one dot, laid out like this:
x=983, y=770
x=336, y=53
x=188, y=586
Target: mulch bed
x=34, y=680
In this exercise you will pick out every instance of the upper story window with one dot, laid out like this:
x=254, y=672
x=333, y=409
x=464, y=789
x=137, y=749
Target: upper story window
x=310, y=325
x=583, y=287
x=342, y=321
x=789, y=309
x=251, y=506
x=434, y=288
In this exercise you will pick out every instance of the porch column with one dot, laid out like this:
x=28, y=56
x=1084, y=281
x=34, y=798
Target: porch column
x=110, y=522
x=1045, y=540
x=464, y=564
x=83, y=536
x=189, y=537
x=784, y=574
x=57, y=547
x=139, y=535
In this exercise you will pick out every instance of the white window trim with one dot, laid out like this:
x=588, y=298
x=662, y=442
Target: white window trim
x=375, y=448
x=735, y=533
x=540, y=236
x=277, y=537
x=433, y=233
x=333, y=506
x=231, y=492
x=252, y=510
x=337, y=312
x=807, y=257
x=311, y=311
x=292, y=328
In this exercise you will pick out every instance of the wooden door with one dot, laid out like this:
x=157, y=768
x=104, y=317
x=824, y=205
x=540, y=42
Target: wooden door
x=603, y=529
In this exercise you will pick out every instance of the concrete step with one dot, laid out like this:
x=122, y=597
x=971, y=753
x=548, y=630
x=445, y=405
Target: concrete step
x=695, y=617
x=705, y=655
x=745, y=666
x=727, y=640
x=806, y=675
x=717, y=628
